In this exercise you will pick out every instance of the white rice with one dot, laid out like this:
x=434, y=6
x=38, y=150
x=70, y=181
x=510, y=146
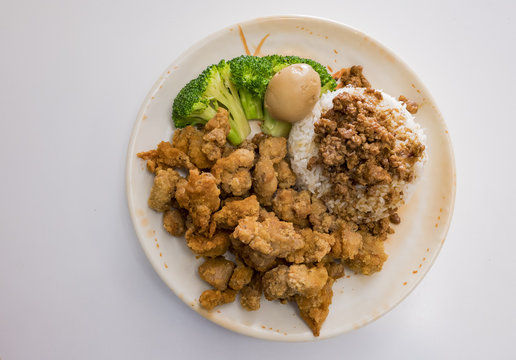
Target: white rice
x=369, y=207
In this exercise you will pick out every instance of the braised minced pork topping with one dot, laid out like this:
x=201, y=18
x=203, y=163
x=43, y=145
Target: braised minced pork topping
x=357, y=147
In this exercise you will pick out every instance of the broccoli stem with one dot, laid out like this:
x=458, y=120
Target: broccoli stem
x=275, y=127
x=252, y=104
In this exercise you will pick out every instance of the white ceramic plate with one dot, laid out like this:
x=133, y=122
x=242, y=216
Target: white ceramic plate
x=357, y=299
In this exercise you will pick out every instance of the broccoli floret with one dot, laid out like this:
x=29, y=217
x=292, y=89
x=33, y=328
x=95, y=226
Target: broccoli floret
x=251, y=75
x=279, y=62
x=190, y=107
x=275, y=127
x=197, y=102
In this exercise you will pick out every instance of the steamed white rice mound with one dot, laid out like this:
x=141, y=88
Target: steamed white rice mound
x=368, y=207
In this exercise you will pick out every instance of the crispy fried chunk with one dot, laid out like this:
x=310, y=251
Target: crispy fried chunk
x=348, y=241
x=213, y=246
x=292, y=206
x=370, y=257
x=174, y=222
x=335, y=269
x=215, y=132
x=232, y=172
x=233, y=211
x=163, y=189
x=210, y=299
x=265, y=181
x=270, y=237
x=273, y=148
x=317, y=245
x=200, y=196
x=217, y=272
x=315, y=309
x=283, y=281
x=241, y=276
x=320, y=218
x=251, y=294
x=190, y=140
x=164, y=157
x=286, y=177
x=255, y=259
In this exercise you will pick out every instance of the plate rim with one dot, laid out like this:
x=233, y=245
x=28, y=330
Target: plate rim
x=230, y=325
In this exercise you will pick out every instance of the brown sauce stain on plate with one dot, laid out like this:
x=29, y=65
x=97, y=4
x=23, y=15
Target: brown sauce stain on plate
x=140, y=212
x=144, y=222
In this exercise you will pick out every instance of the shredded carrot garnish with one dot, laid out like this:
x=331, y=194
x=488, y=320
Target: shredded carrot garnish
x=244, y=42
x=329, y=68
x=259, y=47
x=338, y=74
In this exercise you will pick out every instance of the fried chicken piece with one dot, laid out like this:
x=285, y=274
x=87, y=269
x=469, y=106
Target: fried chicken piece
x=264, y=214
x=307, y=281
x=273, y=148
x=233, y=211
x=265, y=181
x=174, y=222
x=292, y=206
x=150, y=156
x=286, y=177
x=189, y=140
x=254, y=259
x=314, y=310
x=215, y=132
x=270, y=237
x=317, y=245
x=200, y=196
x=335, y=269
x=170, y=156
x=232, y=172
x=251, y=294
x=163, y=189
x=348, y=241
x=275, y=283
x=248, y=145
x=217, y=272
x=202, y=245
x=320, y=218
x=210, y=299
x=370, y=257
x=241, y=276
x=164, y=157
x=283, y=281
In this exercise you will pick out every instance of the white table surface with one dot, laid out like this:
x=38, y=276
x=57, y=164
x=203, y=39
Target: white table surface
x=74, y=282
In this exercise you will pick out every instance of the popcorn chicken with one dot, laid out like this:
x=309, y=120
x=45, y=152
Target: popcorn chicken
x=200, y=196
x=210, y=299
x=217, y=272
x=163, y=189
x=232, y=172
x=174, y=222
x=233, y=211
x=317, y=245
x=314, y=309
x=270, y=237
